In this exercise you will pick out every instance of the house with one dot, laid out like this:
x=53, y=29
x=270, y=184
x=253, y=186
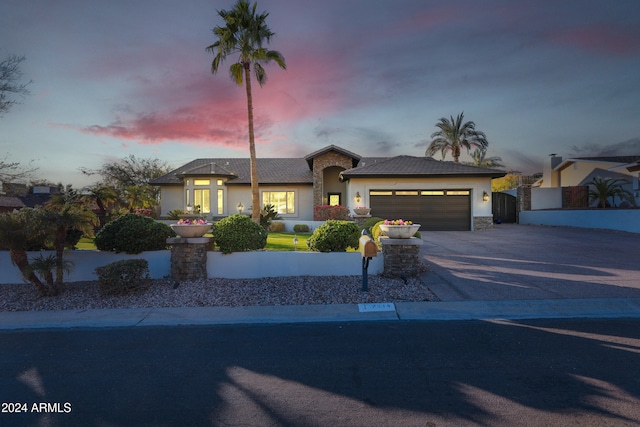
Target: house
x=440, y=195
x=17, y=196
x=579, y=171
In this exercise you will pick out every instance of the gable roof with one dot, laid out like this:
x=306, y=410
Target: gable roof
x=411, y=166
x=355, y=159
x=622, y=160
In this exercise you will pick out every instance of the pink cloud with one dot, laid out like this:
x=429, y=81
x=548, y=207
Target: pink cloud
x=603, y=39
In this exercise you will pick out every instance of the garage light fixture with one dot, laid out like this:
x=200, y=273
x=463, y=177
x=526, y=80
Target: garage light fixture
x=485, y=196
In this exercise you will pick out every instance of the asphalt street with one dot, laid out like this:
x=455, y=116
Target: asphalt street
x=403, y=373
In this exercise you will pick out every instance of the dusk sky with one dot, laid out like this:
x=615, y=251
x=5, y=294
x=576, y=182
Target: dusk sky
x=114, y=78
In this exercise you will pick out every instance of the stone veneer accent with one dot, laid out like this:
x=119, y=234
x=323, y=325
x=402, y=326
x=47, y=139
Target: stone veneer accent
x=401, y=256
x=523, y=202
x=322, y=162
x=482, y=223
x=189, y=257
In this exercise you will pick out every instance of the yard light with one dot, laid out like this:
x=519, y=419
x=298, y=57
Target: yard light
x=189, y=208
x=295, y=243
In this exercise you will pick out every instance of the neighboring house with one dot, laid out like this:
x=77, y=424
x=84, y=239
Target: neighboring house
x=18, y=196
x=439, y=195
x=579, y=171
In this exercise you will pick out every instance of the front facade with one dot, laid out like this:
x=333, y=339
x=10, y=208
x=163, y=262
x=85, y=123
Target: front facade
x=437, y=194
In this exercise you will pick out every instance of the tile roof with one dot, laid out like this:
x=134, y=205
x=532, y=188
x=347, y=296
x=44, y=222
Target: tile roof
x=612, y=159
x=410, y=166
x=270, y=171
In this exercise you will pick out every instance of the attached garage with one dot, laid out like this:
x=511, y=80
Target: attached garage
x=434, y=210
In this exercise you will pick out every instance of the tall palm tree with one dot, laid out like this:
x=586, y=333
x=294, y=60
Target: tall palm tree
x=103, y=196
x=454, y=135
x=244, y=34
x=480, y=159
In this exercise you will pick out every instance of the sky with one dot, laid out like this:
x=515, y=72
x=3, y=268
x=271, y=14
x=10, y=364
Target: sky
x=119, y=78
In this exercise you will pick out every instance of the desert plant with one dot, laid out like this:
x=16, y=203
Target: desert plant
x=268, y=214
x=277, y=227
x=301, y=228
x=133, y=234
x=123, y=276
x=175, y=214
x=44, y=266
x=604, y=189
x=238, y=233
x=334, y=236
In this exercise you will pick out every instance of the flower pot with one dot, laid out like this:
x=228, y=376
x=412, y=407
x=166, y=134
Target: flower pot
x=191, y=230
x=362, y=211
x=399, y=231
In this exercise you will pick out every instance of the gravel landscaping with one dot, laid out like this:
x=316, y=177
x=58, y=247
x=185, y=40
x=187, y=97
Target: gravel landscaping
x=222, y=292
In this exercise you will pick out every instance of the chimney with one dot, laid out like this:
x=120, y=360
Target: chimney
x=551, y=178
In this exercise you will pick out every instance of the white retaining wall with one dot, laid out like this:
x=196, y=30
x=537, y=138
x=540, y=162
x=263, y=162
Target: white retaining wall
x=239, y=265
x=608, y=219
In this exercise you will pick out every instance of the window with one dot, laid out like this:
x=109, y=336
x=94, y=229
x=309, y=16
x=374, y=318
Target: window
x=202, y=199
x=406, y=193
x=219, y=183
x=381, y=193
x=201, y=182
x=432, y=193
x=220, y=202
x=458, y=193
x=283, y=201
x=334, y=199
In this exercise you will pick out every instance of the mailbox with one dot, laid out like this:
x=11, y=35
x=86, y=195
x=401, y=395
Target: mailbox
x=367, y=247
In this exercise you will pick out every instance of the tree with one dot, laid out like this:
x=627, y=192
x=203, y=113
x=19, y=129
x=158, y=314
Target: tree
x=454, y=135
x=103, y=196
x=132, y=175
x=603, y=189
x=244, y=34
x=480, y=159
x=12, y=171
x=10, y=76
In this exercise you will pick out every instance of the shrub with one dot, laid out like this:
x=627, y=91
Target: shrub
x=124, y=276
x=301, y=228
x=376, y=232
x=237, y=233
x=175, y=214
x=133, y=234
x=325, y=212
x=277, y=227
x=334, y=236
x=370, y=222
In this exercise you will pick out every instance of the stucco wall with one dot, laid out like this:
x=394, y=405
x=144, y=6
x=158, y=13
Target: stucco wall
x=546, y=198
x=609, y=219
x=576, y=172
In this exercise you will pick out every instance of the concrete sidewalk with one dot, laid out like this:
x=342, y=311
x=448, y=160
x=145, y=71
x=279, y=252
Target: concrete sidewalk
x=510, y=272
x=405, y=311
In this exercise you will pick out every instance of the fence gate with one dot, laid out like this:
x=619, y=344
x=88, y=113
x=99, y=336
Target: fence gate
x=503, y=207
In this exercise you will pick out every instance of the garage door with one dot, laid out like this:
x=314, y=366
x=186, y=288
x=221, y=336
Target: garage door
x=443, y=210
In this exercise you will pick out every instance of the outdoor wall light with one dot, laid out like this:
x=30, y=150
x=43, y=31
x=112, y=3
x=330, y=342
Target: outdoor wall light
x=485, y=196
x=240, y=207
x=358, y=198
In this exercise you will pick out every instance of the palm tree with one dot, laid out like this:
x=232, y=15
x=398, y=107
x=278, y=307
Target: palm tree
x=244, y=34
x=18, y=231
x=103, y=196
x=63, y=215
x=480, y=159
x=454, y=135
x=603, y=189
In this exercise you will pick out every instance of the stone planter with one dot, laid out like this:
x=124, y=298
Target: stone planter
x=191, y=230
x=399, y=231
x=362, y=211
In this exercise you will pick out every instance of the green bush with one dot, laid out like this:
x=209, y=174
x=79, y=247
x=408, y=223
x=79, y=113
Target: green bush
x=334, y=236
x=301, y=228
x=277, y=227
x=133, y=234
x=267, y=215
x=369, y=223
x=237, y=233
x=124, y=276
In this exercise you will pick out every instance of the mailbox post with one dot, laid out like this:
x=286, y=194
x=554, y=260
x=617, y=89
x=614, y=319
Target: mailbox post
x=368, y=249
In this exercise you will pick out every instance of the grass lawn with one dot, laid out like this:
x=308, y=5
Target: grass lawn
x=275, y=242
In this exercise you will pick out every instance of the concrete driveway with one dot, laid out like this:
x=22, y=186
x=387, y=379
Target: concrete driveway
x=524, y=262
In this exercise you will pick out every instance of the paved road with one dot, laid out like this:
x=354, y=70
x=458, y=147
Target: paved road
x=526, y=262
x=471, y=373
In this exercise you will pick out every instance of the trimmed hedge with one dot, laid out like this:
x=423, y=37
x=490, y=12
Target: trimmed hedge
x=124, y=276
x=301, y=228
x=334, y=236
x=237, y=233
x=133, y=234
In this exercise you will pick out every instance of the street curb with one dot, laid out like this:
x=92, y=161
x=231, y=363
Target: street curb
x=402, y=311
